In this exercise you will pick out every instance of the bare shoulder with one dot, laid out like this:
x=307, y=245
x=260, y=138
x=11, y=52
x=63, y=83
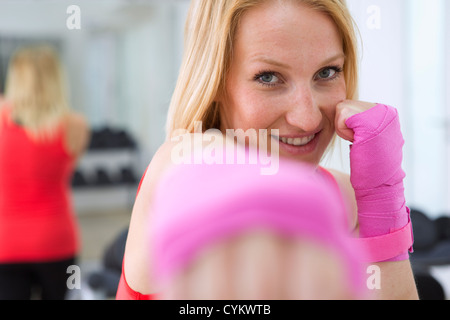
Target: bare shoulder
x=136, y=259
x=77, y=133
x=343, y=180
x=160, y=163
x=76, y=121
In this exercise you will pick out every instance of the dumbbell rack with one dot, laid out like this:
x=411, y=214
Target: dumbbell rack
x=106, y=179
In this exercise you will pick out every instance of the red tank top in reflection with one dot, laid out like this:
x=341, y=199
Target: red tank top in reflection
x=37, y=221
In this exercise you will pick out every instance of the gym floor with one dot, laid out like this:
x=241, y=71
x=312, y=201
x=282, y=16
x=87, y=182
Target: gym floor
x=100, y=228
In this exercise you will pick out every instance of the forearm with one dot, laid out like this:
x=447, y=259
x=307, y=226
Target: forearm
x=383, y=217
x=395, y=281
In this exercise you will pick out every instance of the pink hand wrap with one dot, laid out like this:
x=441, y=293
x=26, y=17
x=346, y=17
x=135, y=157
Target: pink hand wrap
x=196, y=206
x=377, y=178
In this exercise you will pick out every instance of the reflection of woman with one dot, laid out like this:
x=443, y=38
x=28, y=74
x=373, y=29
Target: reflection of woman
x=291, y=66
x=40, y=142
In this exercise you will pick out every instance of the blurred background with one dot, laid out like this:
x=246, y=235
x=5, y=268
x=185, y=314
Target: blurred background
x=122, y=62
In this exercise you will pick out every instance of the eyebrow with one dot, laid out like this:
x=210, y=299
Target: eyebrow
x=267, y=60
x=335, y=57
x=275, y=63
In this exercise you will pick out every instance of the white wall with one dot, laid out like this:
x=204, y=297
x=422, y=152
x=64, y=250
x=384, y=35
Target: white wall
x=149, y=58
x=426, y=80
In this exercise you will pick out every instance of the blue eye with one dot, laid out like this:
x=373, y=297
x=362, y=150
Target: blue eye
x=267, y=78
x=329, y=73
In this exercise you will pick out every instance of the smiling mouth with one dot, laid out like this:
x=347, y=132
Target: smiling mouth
x=296, y=142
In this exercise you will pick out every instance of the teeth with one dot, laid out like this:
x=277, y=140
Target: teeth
x=298, y=141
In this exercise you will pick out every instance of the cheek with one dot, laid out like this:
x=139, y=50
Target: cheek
x=329, y=99
x=247, y=109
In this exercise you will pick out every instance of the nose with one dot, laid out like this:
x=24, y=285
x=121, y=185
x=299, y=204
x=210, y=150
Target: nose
x=303, y=112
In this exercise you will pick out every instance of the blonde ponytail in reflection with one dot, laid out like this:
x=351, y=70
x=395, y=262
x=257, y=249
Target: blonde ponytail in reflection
x=36, y=90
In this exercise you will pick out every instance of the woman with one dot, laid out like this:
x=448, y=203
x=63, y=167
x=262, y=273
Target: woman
x=290, y=66
x=40, y=142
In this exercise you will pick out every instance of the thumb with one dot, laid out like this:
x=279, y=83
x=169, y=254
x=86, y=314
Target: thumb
x=341, y=128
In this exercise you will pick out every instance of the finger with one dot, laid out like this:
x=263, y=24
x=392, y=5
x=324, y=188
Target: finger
x=259, y=266
x=344, y=111
x=206, y=277
x=315, y=273
x=175, y=289
x=342, y=114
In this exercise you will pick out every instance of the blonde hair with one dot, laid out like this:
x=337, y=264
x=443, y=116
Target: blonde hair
x=209, y=35
x=36, y=90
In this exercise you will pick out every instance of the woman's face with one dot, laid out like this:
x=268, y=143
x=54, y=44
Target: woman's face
x=286, y=74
